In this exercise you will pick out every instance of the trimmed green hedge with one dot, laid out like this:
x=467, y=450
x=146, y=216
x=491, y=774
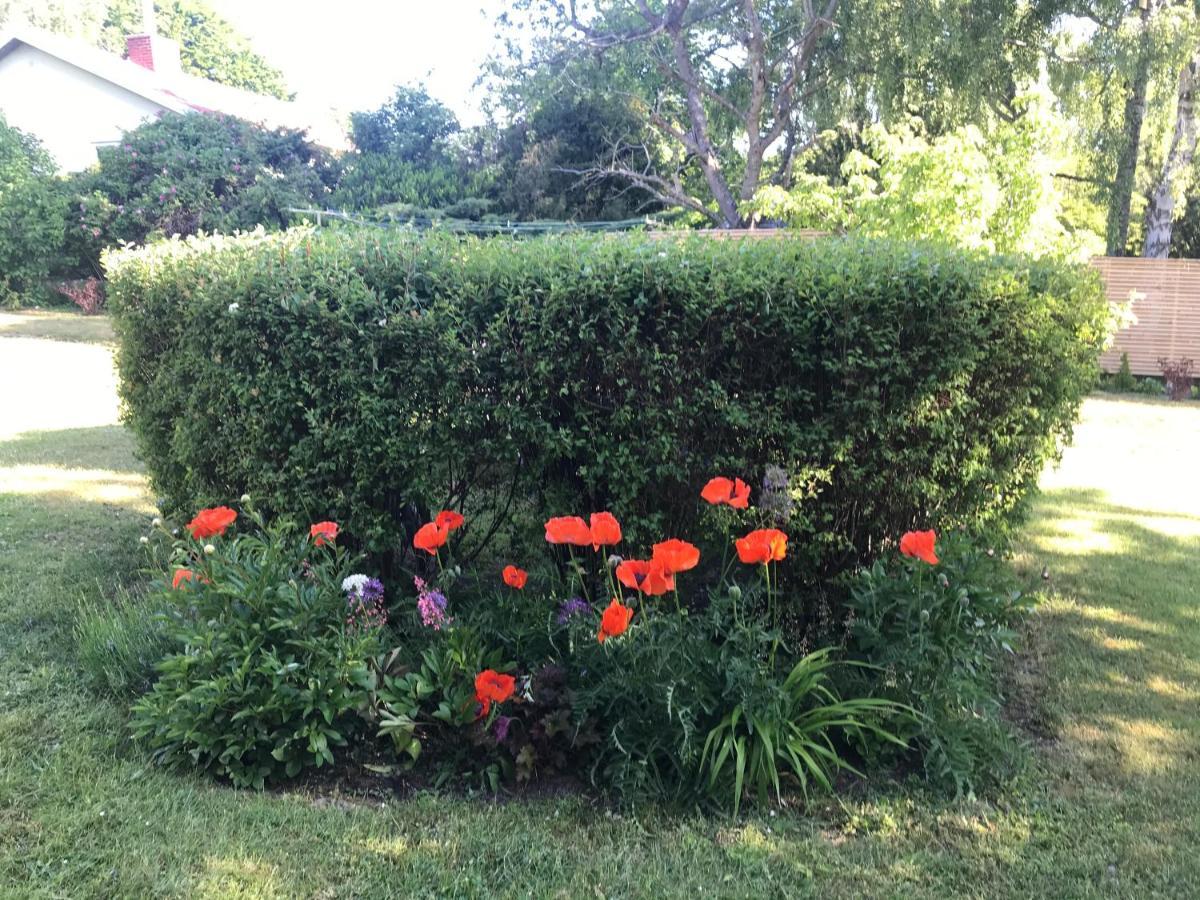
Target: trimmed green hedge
x=369, y=377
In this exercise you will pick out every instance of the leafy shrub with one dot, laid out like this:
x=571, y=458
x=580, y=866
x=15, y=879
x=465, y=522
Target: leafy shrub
x=937, y=633
x=266, y=674
x=1177, y=377
x=1124, y=381
x=379, y=376
x=182, y=174
x=86, y=293
x=32, y=216
x=120, y=643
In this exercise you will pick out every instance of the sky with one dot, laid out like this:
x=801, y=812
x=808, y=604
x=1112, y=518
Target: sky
x=350, y=54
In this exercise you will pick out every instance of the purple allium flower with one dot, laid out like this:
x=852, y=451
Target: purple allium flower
x=573, y=607
x=500, y=728
x=372, y=591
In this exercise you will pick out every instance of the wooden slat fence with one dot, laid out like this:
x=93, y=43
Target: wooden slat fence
x=1166, y=310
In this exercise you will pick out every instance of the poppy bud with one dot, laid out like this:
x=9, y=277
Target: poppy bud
x=1045, y=574
x=991, y=552
x=143, y=540
x=924, y=615
x=156, y=521
x=209, y=549
x=614, y=561
x=245, y=498
x=735, y=592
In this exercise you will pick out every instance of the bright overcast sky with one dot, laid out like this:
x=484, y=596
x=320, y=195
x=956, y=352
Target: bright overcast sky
x=350, y=54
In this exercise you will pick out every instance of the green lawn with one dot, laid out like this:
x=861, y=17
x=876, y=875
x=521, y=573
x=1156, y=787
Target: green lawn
x=1109, y=685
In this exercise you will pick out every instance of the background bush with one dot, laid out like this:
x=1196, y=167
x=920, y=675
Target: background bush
x=373, y=377
x=33, y=207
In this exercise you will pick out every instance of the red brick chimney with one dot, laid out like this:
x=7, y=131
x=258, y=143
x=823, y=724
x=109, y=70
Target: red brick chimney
x=153, y=52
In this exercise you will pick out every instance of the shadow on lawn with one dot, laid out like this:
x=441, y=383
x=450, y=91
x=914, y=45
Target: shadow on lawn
x=108, y=447
x=1120, y=623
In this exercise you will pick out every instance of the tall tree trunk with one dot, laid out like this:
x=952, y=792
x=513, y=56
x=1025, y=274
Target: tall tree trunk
x=1161, y=213
x=1135, y=111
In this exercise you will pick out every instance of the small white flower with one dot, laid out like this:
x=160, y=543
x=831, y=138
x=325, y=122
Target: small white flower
x=156, y=521
x=175, y=531
x=382, y=322
x=143, y=539
x=234, y=307
x=210, y=549
x=354, y=583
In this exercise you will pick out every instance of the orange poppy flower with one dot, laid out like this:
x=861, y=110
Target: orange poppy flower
x=181, y=575
x=429, y=537
x=614, y=621
x=920, y=544
x=762, y=546
x=735, y=492
x=492, y=687
x=568, y=530
x=322, y=532
x=675, y=556
x=606, y=530
x=448, y=520
x=211, y=522
x=646, y=576
x=514, y=577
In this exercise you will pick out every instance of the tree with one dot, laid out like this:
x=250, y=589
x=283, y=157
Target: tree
x=993, y=190
x=1160, y=214
x=735, y=90
x=412, y=127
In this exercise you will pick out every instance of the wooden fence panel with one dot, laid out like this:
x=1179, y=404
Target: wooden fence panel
x=1166, y=310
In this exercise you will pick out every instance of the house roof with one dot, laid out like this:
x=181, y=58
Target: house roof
x=180, y=92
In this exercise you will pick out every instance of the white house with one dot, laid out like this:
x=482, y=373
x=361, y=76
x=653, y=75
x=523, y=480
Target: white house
x=75, y=97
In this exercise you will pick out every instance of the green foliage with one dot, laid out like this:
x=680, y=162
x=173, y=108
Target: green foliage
x=33, y=210
x=266, y=677
x=197, y=172
x=374, y=377
x=209, y=46
x=789, y=725
x=373, y=180
x=938, y=632
x=1124, y=381
x=411, y=127
x=996, y=191
x=120, y=643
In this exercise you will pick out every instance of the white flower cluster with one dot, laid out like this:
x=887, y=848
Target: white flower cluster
x=353, y=584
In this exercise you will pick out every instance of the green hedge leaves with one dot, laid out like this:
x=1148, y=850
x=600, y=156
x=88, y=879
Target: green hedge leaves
x=370, y=377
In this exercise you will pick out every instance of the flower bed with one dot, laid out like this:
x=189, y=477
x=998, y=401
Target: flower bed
x=671, y=673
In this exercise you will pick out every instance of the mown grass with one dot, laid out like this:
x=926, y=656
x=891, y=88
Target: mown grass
x=1106, y=809
x=58, y=325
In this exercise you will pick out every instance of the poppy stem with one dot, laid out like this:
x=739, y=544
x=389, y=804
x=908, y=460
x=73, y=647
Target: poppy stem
x=576, y=570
